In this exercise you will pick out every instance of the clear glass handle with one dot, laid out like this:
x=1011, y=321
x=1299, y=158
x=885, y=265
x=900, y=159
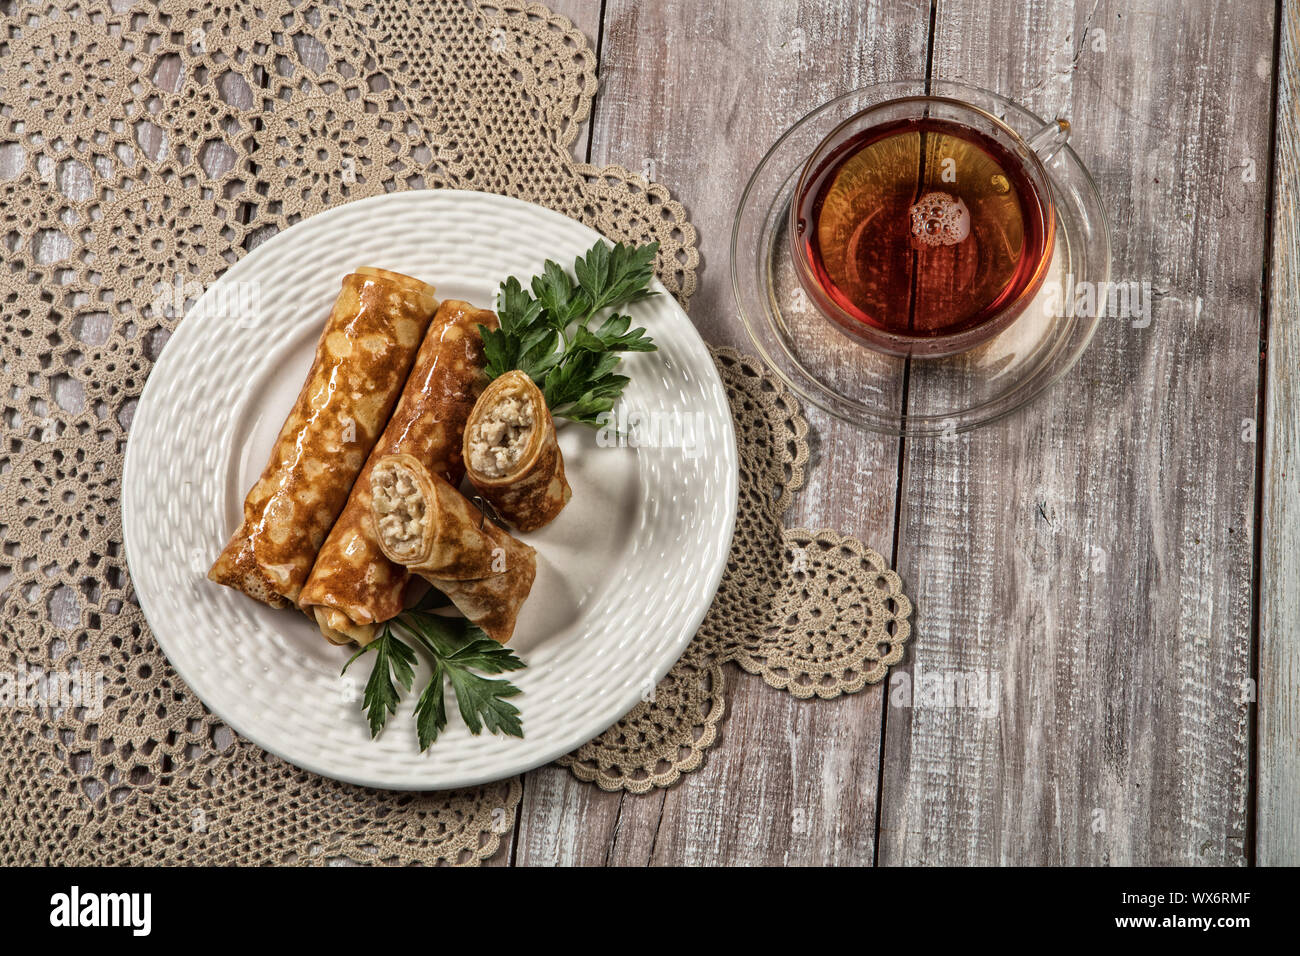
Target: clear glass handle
x=1048, y=140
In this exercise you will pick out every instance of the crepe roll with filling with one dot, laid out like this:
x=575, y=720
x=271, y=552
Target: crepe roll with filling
x=511, y=453
x=430, y=528
x=362, y=359
x=353, y=588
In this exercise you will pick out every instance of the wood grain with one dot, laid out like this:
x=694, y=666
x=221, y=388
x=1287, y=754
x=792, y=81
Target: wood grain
x=694, y=94
x=1277, y=831
x=585, y=15
x=1094, y=553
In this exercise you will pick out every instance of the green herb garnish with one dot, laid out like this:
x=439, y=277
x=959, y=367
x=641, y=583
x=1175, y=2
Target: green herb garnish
x=394, y=662
x=547, y=335
x=455, y=649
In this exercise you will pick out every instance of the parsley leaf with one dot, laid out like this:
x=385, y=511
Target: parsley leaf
x=455, y=649
x=458, y=648
x=431, y=710
x=393, y=660
x=461, y=644
x=482, y=702
x=546, y=334
x=618, y=275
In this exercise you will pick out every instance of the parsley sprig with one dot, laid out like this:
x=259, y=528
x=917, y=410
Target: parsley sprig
x=546, y=332
x=455, y=649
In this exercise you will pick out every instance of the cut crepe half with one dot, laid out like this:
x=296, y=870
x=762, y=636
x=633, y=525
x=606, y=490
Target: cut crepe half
x=430, y=528
x=511, y=453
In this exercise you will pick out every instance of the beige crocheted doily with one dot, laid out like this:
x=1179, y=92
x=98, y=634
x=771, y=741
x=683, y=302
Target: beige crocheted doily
x=141, y=152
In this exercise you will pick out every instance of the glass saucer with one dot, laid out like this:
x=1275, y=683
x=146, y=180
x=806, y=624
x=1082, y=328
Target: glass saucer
x=896, y=395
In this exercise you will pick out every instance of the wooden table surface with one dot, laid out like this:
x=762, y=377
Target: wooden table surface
x=1121, y=556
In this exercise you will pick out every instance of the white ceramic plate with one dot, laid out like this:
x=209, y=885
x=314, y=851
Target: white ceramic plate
x=625, y=573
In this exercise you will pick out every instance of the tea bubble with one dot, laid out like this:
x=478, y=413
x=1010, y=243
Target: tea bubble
x=939, y=219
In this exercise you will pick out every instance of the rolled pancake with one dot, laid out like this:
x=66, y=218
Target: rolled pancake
x=512, y=455
x=353, y=587
x=430, y=528
x=362, y=359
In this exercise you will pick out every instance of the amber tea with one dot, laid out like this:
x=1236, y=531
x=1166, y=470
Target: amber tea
x=922, y=227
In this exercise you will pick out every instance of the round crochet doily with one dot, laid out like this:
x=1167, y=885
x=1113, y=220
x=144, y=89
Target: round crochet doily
x=141, y=152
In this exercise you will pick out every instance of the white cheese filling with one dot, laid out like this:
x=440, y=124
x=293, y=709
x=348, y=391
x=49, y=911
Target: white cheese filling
x=498, y=440
x=399, y=508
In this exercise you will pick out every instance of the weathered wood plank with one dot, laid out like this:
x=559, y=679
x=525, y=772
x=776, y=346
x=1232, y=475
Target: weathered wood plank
x=1094, y=553
x=585, y=15
x=1277, y=820
x=693, y=95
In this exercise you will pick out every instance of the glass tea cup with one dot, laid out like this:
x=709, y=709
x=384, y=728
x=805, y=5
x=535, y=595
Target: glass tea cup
x=923, y=225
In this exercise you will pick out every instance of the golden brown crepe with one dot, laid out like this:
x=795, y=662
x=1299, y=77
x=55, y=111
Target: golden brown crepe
x=364, y=354
x=511, y=453
x=429, y=527
x=353, y=587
